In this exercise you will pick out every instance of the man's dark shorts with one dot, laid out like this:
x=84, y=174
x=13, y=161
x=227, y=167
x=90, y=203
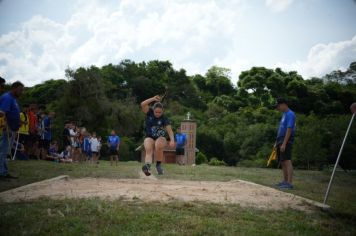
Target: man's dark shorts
x=113, y=152
x=286, y=155
x=180, y=151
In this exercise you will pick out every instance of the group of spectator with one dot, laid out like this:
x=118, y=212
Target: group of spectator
x=79, y=145
x=35, y=140
x=34, y=135
x=27, y=133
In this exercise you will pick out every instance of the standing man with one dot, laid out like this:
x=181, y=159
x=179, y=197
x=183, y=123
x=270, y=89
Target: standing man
x=284, y=142
x=181, y=141
x=114, y=145
x=11, y=111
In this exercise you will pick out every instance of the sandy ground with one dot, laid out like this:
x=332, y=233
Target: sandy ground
x=246, y=194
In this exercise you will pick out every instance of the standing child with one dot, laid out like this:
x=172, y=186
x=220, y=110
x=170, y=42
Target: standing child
x=87, y=146
x=114, y=144
x=94, y=144
x=181, y=141
x=81, y=143
x=99, y=149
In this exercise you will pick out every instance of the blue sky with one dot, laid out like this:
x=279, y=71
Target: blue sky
x=40, y=39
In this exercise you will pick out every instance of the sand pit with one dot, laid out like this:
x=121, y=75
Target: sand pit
x=246, y=194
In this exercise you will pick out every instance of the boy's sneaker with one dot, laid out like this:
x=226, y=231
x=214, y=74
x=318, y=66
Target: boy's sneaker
x=146, y=169
x=159, y=169
x=286, y=186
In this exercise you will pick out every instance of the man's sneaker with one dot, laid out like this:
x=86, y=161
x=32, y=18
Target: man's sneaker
x=286, y=186
x=280, y=184
x=159, y=169
x=146, y=169
x=8, y=176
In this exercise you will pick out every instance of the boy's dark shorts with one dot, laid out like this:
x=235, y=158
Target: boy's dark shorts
x=286, y=155
x=179, y=151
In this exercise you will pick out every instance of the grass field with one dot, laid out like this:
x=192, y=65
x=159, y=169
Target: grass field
x=100, y=217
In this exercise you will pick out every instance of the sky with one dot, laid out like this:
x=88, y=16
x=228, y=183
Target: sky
x=39, y=39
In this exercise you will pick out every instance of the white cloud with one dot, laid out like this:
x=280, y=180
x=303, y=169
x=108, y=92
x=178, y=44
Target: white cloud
x=188, y=33
x=324, y=58
x=278, y=5
x=193, y=35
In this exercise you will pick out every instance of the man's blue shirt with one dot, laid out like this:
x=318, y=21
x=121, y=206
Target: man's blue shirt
x=9, y=106
x=113, y=141
x=287, y=121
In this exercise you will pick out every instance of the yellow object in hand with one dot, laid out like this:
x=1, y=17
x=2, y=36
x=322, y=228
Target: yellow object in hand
x=273, y=156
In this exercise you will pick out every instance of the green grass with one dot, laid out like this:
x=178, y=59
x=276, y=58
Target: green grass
x=100, y=217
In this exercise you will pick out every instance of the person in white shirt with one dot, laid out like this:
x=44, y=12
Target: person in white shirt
x=94, y=144
x=99, y=148
x=73, y=135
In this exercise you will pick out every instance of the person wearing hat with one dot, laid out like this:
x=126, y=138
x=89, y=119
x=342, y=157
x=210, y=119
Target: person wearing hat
x=284, y=142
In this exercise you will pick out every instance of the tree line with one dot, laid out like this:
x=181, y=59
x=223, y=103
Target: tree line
x=237, y=123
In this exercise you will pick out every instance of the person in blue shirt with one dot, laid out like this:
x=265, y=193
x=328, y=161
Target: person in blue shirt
x=114, y=145
x=87, y=146
x=46, y=133
x=10, y=111
x=157, y=126
x=181, y=141
x=284, y=142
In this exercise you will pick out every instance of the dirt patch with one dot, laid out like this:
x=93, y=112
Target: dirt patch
x=244, y=193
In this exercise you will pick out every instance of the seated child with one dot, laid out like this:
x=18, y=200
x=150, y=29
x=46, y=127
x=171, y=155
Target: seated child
x=65, y=156
x=20, y=151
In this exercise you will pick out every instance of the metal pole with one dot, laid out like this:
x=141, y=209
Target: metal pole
x=17, y=145
x=337, y=160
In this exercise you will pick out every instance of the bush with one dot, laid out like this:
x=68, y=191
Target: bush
x=201, y=159
x=215, y=162
x=126, y=152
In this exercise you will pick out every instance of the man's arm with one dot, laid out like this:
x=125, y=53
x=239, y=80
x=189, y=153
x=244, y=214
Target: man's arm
x=145, y=104
x=286, y=138
x=4, y=107
x=118, y=145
